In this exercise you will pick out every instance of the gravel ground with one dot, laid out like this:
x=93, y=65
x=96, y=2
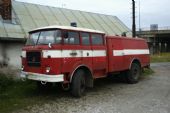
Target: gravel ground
x=150, y=95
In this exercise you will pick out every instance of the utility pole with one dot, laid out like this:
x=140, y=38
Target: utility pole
x=133, y=19
x=139, y=17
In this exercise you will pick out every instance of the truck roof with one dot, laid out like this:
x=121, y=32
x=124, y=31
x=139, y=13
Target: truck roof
x=127, y=38
x=68, y=28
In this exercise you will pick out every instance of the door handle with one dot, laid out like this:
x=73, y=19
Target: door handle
x=87, y=54
x=73, y=53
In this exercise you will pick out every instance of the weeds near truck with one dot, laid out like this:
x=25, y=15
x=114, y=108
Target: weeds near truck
x=147, y=72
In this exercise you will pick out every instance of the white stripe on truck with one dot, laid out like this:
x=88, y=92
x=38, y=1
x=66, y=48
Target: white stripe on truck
x=99, y=53
x=130, y=52
x=89, y=53
x=79, y=53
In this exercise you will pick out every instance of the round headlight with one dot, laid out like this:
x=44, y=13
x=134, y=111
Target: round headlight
x=47, y=69
x=22, y=68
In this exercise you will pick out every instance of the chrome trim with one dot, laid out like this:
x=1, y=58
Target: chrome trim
x=42, y=77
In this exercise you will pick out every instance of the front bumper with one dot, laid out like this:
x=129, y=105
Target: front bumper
x=42, y=77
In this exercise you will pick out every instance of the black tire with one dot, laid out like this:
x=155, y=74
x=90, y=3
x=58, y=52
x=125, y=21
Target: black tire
x=133, y=74
x=78, y=83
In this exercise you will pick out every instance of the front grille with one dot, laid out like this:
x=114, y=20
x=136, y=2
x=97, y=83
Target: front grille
x=34, y=59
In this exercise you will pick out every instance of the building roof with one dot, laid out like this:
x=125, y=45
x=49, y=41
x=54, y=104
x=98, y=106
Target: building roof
x=27, y=16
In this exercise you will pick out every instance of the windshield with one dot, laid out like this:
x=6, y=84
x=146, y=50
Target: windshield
x=44, y=37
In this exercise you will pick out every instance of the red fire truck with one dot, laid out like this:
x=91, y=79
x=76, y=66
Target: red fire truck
x=76, y=57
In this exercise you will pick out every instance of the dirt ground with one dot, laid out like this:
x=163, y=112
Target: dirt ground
x=150, y=95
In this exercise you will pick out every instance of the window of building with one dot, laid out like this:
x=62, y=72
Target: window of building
x=85, y=38
x=71, y=37
x=97, y=39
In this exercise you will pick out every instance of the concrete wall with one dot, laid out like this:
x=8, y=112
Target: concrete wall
x=10, y=53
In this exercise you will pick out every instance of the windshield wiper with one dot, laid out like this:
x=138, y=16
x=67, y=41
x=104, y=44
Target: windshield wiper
x=38, y=39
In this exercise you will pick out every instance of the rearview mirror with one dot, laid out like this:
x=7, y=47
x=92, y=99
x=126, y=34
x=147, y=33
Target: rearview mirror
x=65, y=34
x=49, y=45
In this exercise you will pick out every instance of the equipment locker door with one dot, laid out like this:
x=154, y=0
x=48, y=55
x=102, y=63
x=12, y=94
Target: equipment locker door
x=116, y=54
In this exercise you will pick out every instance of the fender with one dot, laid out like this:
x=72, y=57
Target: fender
x=72, y=73
x=132, y=62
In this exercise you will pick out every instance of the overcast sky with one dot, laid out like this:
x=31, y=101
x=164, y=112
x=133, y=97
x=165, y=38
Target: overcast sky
x=152, y=11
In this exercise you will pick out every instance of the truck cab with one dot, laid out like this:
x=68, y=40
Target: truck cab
x=56, y=53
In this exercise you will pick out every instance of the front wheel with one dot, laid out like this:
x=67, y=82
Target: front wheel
x=78, y=83
x=134, y=73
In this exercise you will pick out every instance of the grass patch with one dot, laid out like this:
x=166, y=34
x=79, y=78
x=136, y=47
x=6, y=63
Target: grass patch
x=162, y=57
x=16, y=94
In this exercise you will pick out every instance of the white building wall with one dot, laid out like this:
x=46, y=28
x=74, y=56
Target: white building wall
x=10, y=53
x=14, y=53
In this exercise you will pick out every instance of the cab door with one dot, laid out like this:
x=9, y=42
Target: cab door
x=99, y=59
x=71, y=51
x=86, y=49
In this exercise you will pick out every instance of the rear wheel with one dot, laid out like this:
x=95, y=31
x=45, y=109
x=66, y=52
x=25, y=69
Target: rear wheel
x=134, y=73
x=78, y=83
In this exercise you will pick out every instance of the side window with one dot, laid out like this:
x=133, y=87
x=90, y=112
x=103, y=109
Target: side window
x=71, y=37
x=85, y=38
x=97, y=39
x=58, y=38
